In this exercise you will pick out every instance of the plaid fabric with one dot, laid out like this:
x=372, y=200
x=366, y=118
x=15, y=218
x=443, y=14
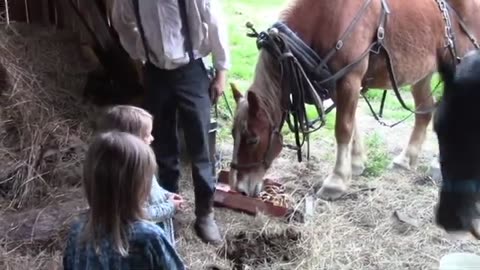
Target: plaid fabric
x=149, y=249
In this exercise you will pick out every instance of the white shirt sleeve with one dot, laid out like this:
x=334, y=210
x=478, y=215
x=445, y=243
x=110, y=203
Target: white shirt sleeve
x=218, y=34
x=124, y=22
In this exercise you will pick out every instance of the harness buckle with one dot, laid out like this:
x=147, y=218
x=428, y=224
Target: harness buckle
x=339, y=45
x=380, y=33
x=273, y=32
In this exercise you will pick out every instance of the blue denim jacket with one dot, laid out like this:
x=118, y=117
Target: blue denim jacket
x=149, y=249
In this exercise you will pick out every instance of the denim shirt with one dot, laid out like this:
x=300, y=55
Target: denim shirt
x=149, y=249
x=161, y=210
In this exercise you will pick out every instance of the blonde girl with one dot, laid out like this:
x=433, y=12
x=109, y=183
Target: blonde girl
x=118, y=172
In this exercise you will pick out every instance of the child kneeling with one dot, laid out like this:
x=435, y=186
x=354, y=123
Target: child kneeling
x=118, y=172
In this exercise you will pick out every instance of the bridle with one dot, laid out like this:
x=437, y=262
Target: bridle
x=267, y=159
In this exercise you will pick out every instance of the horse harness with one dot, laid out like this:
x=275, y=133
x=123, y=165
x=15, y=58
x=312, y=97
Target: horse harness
x=306, y=77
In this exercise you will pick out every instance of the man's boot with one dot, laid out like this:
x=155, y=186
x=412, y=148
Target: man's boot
x=205, y=225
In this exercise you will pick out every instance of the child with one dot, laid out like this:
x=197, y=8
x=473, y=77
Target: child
x=117, y=178
x=162, y=204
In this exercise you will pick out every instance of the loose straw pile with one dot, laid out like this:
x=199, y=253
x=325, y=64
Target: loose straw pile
x=42, y=121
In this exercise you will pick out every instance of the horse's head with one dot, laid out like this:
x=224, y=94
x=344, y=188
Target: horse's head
x=457, y=126
x=257, y=141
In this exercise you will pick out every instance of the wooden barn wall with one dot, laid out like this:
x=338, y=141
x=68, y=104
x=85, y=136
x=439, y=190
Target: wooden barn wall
x=60, y=14
x=51, y=12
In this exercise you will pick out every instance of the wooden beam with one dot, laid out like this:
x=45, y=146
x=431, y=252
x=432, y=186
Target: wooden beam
x=27, y=12
x=7, y=12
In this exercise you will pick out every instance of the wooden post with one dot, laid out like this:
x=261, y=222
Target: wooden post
x=7, y=13
x=27, y=13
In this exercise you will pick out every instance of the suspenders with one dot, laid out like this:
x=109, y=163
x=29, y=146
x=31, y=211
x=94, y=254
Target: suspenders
x=186, y=28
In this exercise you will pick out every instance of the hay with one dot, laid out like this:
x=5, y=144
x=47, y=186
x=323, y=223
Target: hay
x=42, y=122
x=257, y=248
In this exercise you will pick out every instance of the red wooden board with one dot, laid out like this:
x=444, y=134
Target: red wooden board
x=227, y=197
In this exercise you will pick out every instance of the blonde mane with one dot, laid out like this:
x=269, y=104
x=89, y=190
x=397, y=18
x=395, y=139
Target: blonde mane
x=266, y=86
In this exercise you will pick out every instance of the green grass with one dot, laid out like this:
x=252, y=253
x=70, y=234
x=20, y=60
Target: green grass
x=244, y=57
x=377, y=155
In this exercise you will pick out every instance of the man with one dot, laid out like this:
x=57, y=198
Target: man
x=175, y=78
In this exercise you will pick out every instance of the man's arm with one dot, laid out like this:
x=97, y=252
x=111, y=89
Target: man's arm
x=124, y=22
x=218, y=33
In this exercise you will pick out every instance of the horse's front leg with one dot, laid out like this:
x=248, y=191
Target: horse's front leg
x=358, y=152
x=423, y=99
x=335, y=185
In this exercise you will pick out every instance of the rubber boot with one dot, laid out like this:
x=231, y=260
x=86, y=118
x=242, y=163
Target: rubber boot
x=206, y=227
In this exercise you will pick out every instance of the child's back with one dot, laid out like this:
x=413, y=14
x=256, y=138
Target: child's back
x=117, y=178
x=149, y=249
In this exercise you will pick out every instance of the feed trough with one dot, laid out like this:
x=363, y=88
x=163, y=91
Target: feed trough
x=226, y=197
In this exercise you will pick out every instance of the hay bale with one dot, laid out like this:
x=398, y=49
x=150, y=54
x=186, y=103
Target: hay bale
x=43, y=124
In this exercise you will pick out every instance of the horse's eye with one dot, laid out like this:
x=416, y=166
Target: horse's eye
x=253, y=140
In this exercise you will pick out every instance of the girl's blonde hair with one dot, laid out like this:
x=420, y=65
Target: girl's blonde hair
x=125, y=118
x=118, y=173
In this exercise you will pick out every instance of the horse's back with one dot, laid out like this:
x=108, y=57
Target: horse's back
x=413, y=33
x=414, y=30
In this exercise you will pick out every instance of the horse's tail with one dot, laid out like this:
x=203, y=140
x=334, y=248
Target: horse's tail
x=446, y=69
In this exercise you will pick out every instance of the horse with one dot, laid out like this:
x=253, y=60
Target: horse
x=355, y=45
x=459, y=148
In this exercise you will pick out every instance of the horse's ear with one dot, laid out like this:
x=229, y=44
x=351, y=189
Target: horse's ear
x=253, y=103
x=446, y=69
x=237, y=95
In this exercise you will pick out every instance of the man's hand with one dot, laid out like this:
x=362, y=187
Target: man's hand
x=218, y=85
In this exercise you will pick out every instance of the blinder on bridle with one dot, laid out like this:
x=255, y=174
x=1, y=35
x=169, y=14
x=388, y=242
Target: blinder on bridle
x=267, y=159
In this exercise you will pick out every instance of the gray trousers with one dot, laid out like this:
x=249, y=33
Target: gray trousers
x=186, y=90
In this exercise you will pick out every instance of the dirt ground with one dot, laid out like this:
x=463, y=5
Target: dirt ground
x=360, y=231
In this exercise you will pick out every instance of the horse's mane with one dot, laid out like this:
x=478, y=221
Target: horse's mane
x=266, y=86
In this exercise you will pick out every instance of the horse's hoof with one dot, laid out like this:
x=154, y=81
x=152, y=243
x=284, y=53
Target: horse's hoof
x=332, y=189
x=358, y=169
x=401, y=162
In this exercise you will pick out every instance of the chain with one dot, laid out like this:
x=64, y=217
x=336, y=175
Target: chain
x=448, y=27
x=448, y=24
x=276, y=195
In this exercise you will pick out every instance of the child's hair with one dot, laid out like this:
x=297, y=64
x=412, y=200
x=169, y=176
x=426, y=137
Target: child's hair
x=125, y=118
x=118, y=173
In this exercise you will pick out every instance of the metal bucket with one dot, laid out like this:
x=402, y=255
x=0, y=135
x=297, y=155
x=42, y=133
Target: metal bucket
x=212, y=141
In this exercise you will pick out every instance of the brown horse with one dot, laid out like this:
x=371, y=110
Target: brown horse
x=413, y=32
